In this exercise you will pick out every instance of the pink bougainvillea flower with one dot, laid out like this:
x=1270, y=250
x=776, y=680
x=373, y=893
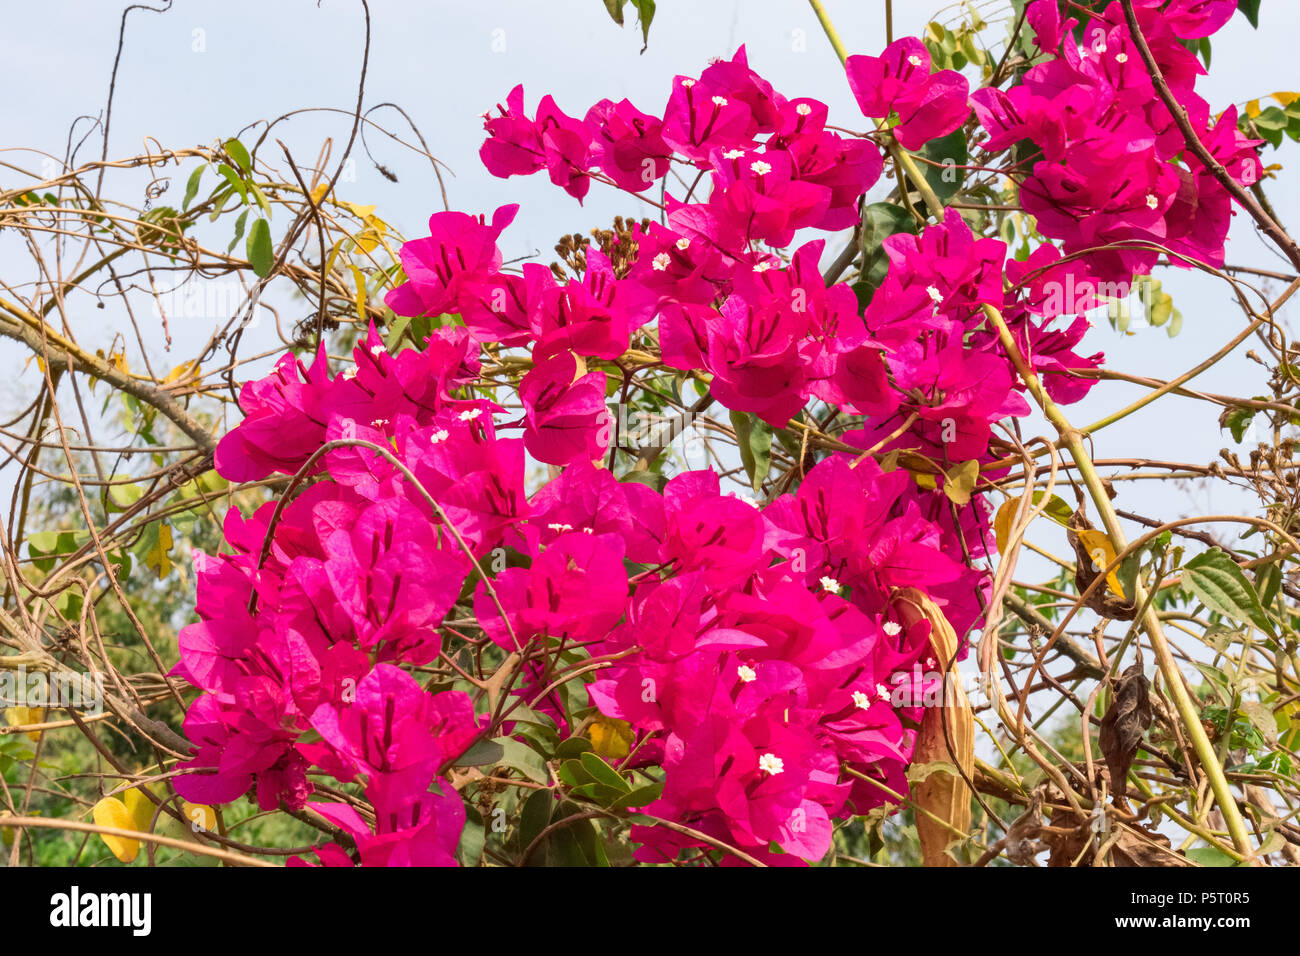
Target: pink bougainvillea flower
x=565, y=417
x=899, y=81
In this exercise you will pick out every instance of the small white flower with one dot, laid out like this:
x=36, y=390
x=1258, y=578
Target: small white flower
x=760, y=168
x=470, y=414
x=1121, y=57
x=882, y=692
x=1152, y=201
x=746, y=673
x=771, y=763
x=719, y=101
x=379, y=423
x=892, y=628
x=440, y=435
x=350, y=373
x=861, y=700
x=762, y=266
x=560, y=526
x=662, y=262
x=377, y=349
x=915, y=60
x=683, y=244
x=803, y=109
x=688, y=83
x=934, y=293
x=733, y=154
x=830, y=584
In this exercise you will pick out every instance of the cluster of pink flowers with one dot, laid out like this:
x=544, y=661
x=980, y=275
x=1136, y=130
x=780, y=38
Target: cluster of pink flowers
x=757, y=649
x=1114, y=166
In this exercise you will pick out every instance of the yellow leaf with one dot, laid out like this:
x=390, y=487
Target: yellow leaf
x=140, y=807
x=200, y=815
x=156, y=557
x=181, y=371
x=318, y=193
x=112, y=812
x=1099, y=546
x=21, y=716
x=360, y=297
x=361, y=212
x=960, y=481
x=1002, y=522
x=1252, y=108
x=611, y=737
x=1286, y=98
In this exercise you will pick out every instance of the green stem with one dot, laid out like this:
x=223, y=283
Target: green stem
x=1187, y=712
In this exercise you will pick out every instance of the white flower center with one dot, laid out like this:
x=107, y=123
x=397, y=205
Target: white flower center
x=1152, y=201
x=688, y=83
x=1121, y=57
x=470, y=414
x=746, y=673
x=934, y=293
x=661, y=262
x=760, y=168
x=683, y=244
x=803, y=109
x=861, y=700
x=914, y=60
x=762, y=267
x=379, y=423
x=377, y=349
x=719, y=101
x=882, y=692
x=892, y=628
x=771, y=763
x=830, y=584
x=560, y=526
x=440, y=435
x=349, y=374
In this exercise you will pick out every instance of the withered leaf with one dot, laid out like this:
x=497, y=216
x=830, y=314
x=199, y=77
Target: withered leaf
x=1101, y=600
x=1123, y=725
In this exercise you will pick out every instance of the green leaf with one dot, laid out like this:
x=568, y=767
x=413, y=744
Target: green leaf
x=572, y=747
x=259, y=249
x=236, y=181
x=603, y=773
x=1222, y=586
x=645, y=13
x=482, y=754
x=1237, y=420
x=1209, y=856
x=880, y=220
x=524, y=758
x=1250, y=10
x=239, y=230
x=236, y=151
x=192, y=187
x=754, y=436
x=950, y=152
